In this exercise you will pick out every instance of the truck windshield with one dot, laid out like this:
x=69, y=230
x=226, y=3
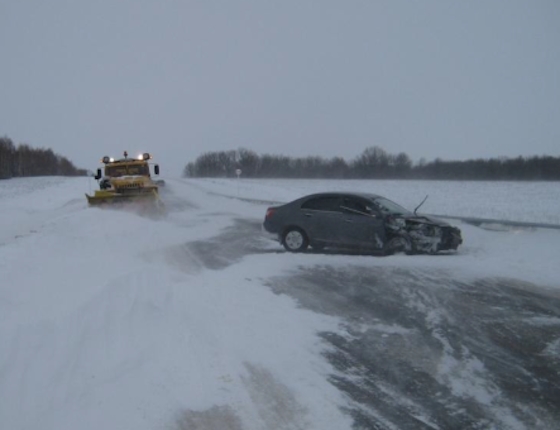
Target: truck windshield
x=127, y=170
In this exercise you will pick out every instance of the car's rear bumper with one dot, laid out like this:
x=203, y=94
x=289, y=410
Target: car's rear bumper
x=269, y=235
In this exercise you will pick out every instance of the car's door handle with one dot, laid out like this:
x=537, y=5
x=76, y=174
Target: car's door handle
x=349, y=220
x=308, y=215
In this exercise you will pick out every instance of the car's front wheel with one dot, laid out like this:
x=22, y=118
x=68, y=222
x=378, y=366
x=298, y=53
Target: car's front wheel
x=295, y=240
x=399, y=244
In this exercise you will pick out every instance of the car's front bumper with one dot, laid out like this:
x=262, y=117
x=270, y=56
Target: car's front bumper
x=451, y=239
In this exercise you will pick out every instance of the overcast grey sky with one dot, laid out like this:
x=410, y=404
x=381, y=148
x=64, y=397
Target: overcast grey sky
x=448, y=79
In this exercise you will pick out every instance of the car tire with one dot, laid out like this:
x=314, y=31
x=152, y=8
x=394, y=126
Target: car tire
x=295, y=240
x=399, y=244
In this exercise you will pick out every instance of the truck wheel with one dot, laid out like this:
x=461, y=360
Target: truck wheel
x=295, y=240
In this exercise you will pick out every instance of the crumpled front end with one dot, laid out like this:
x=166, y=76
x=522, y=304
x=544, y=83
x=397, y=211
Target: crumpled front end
x=432, y=238
x=426, y=235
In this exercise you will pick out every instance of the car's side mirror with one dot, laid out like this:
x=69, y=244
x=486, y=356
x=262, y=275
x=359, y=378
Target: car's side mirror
x=156, y=169
x=98, y=175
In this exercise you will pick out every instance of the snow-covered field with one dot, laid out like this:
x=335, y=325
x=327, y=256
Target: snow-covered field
x=537, y=202
x=109, y=321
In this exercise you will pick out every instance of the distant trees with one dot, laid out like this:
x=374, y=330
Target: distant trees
x=521, y=168
x=26, y=161
x=373, y=163
x=6, y=157
x=225, y=163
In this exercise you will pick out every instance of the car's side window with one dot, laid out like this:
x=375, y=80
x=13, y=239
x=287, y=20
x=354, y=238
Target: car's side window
x=355, y=206
x=331, y=204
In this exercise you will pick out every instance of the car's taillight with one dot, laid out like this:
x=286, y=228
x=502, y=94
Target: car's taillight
x=270, y=212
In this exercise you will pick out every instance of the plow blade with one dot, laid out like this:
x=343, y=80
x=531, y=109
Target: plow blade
x=102, y=198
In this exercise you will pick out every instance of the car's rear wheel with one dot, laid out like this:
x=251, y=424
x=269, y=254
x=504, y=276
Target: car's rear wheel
x=295, y=240
x=399, y=244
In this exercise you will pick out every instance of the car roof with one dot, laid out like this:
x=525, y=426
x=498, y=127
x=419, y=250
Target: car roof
x=368, y=196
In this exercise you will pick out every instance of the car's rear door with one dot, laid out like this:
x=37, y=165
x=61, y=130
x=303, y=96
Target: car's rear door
x=321, y=218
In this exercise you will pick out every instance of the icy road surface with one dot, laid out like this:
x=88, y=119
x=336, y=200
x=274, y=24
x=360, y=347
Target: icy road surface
x=192, y=320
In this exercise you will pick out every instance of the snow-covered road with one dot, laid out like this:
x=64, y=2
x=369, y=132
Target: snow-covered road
x=193, y=320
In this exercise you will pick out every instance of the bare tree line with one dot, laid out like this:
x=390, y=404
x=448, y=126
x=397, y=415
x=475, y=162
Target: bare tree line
x=373, y=163
x=26, y=161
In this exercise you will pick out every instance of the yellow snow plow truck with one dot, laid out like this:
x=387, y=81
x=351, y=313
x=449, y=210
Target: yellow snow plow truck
x=126, y=180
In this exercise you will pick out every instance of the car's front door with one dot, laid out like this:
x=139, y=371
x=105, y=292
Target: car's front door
x=363, y=226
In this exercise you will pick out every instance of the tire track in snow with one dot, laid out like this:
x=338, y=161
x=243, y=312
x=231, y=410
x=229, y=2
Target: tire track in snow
x=426, y=351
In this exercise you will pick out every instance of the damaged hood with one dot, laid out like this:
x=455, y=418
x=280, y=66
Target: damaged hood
x=425, y=219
